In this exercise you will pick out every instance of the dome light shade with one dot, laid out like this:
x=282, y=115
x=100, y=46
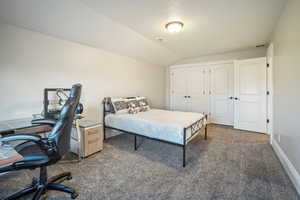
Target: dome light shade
x=174, y=27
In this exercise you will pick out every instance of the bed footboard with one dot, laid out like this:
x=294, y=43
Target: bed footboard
x=195, y=128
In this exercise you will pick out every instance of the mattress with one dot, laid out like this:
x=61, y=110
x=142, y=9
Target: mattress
x=159, y=124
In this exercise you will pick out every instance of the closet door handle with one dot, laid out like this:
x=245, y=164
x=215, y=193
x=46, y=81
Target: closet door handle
x=189, y=96
x=230, y=98
x=235, y=98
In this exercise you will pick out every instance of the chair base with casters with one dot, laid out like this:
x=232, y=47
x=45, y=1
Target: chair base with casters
x=40, y=186
x=35, y=157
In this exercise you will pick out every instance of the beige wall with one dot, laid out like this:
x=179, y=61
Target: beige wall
x=286, y=40
x=30, y=62
x=245, y=54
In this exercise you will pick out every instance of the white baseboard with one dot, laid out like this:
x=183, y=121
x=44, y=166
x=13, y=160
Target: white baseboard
x=288, y=166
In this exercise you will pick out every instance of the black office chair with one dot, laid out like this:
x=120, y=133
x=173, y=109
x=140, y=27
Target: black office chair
x=41, y=152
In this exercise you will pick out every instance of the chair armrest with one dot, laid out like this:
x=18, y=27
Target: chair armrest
x=20, y=136
x=42, y=144
x=49, y=122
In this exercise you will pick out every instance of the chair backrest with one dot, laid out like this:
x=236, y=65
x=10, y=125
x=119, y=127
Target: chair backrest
x=61, y=132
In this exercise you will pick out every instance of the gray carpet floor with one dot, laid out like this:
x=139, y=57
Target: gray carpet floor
x=231, y=164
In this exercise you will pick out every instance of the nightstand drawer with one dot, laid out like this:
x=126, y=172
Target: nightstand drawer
x=91, y=139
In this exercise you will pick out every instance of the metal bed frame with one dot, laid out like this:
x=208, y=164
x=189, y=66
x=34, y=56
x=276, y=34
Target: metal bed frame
x=195, y=128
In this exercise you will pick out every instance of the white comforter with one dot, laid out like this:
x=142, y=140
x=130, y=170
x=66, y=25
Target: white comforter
x=160, y=124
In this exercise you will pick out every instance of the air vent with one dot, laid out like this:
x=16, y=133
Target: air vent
x=160, y=39
x=260, y=45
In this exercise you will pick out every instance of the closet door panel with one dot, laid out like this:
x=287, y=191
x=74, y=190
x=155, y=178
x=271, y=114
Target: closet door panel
x=179, y=90
x=222, y=94
x=197, y=90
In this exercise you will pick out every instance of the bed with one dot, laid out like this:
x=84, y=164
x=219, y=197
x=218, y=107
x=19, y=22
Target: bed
x=173, y=127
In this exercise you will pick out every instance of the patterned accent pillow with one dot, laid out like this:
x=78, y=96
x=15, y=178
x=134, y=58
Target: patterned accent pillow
x=143, y=104
x=120, y=105
x=133, y=109
x=133, y=101
x=134, y=105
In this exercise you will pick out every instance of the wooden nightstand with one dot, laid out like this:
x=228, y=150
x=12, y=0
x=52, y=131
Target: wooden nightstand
x=91, y=138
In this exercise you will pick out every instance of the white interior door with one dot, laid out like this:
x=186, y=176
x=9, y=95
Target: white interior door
x=179, y=89
x=250, y=95
x=198, y=97
x=222, y=93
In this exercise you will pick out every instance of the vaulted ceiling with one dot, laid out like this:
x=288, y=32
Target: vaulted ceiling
x=211, y=26
x=131, y=27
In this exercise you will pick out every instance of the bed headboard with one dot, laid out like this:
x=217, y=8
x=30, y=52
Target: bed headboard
x=106, y=110
x=107, y=106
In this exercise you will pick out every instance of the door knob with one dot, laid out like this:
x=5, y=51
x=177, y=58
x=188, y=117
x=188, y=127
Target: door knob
x=235, y=98
x=189, y=96
x=230, y=97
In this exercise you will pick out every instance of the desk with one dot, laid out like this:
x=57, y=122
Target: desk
x=8, y=156
x=23, y=125
x=19, y=125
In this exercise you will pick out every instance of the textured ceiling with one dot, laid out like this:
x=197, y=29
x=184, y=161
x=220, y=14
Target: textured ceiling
x=129, y=27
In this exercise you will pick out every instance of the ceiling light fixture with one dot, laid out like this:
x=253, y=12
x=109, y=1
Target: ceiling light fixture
x=174, y=26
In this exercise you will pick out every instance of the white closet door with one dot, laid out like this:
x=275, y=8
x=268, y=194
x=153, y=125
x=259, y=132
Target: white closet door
x=198, y=97
x=250, y=95
x=179, y=90
x=222, y=94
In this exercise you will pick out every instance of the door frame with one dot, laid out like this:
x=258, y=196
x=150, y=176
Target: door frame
x=266, y=96
x=270, y=88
